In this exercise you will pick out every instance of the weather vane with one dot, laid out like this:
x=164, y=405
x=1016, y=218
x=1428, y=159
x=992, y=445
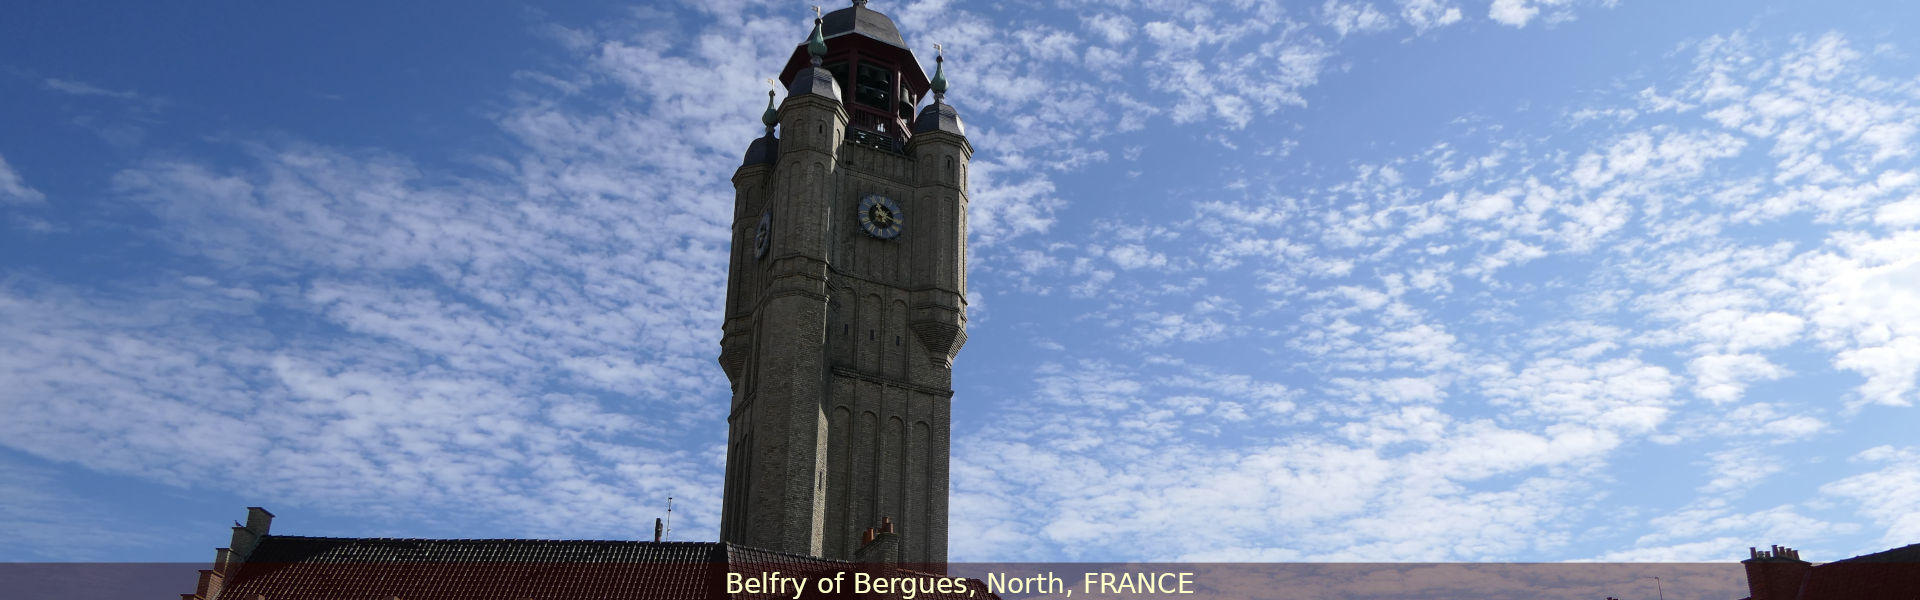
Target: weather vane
x=936, y=49
x=771, y=84
x=816, y=11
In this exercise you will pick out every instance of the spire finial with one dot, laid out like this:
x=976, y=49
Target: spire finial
x=939, y=76
x=772, y=116
x=817, y=43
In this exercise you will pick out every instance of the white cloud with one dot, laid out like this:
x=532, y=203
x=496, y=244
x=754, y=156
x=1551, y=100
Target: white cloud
x=1621, y=394
x=1429, y=14
x=1660, y=297
x=1481, y=207
x=79, y=88
x=1113, y=28
x=1722, y=378
x=1518, y=13
x=1513, y=12
x=1887, y=495
x=1861, y=297
x=1716, y=550
x=14, y=189
x=1351, y=17
x=1134, y=256
x=1156, y=328
x=1715, y=518
x=1740, y=468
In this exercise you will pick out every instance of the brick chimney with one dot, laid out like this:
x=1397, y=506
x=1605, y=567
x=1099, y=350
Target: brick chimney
x=1775, y=574
x=247, y=537
x=227, y=561
x=879, y=546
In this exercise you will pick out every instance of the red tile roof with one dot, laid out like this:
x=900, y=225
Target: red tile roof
x=316, y=568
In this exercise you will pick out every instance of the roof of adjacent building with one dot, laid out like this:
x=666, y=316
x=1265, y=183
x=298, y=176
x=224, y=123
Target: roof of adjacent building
x=302, y=568
x=1886, y=575
x=1889, y=574
x=1905, y=554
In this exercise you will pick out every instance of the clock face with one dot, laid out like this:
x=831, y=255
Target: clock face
x=880, y=217
x=763, y=235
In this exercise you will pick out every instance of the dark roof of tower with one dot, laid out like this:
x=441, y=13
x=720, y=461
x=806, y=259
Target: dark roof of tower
x=814, y=80
x=939, y=116
x=763, y=151
x=864, y=21
x=861, y=27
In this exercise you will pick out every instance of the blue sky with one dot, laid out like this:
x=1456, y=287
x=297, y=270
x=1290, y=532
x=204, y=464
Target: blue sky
x=1392, y=280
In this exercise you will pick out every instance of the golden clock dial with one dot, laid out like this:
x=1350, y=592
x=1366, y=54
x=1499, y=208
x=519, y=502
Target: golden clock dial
x=880, y=216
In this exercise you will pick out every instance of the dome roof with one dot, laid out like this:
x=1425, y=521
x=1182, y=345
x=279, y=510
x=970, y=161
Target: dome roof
x=939, y=116
x=763, y=151
x=865, y=31
x=861, y=20
x=814, y=80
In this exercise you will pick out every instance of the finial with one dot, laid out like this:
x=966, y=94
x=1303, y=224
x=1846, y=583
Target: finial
x=772, y=116
x=939, y=77
x=817, y=44
x=860, y=3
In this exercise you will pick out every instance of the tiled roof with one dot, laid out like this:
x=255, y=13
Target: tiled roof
x=317, y=568
x=1889, y=574
x=302, y=568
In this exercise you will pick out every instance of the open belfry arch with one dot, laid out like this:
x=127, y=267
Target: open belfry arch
x=846, y=303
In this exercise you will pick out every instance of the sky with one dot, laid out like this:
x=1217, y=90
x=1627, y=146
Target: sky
x=1341, y=280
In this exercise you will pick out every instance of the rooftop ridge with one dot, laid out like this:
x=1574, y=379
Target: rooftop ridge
x=516, y=540
x=1907, y=553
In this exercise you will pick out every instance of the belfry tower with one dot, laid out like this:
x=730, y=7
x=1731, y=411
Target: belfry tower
x=846, y=303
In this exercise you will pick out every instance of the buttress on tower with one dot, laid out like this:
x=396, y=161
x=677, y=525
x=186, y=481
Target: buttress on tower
x=846, y=301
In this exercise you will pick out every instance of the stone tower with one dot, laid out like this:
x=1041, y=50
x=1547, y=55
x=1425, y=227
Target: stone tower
x=846, y=303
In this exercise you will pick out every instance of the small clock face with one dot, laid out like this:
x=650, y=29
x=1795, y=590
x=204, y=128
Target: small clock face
x=880, y=217
x=763, y=235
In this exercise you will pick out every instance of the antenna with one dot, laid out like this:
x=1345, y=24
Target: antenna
x=669, y=518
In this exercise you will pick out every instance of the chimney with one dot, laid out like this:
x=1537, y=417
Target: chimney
x=223, y=560
x=879, y=546
x=658, y=529
x=1776, y=573
x=246, y=537
x=207, y=587
x=226, y=561
x=259, y=520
